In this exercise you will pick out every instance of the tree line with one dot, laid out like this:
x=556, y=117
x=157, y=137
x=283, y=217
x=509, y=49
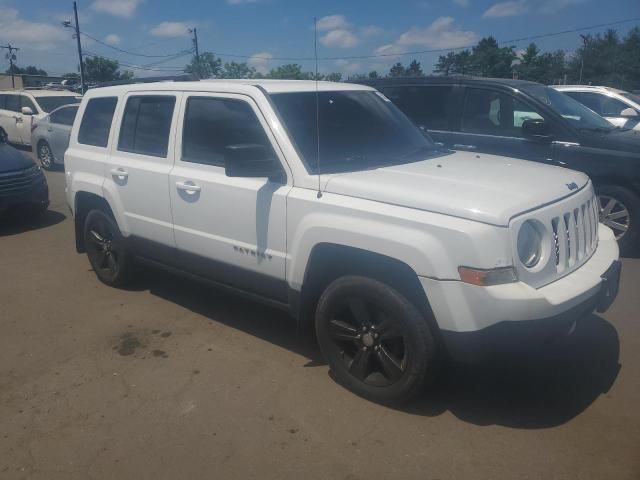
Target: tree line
x=603, y=59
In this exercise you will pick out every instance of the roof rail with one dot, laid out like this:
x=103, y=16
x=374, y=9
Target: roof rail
x=178, y=78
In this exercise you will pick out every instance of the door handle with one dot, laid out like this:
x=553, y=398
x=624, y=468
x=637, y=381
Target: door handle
x=188, y=187
x=120, y=173
x=464, y=147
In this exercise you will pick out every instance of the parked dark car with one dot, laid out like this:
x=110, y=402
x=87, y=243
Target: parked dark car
x=533, y=122
x=23, y=185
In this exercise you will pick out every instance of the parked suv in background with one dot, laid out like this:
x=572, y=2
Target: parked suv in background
x=533, y=122
x=18, y=108
x=50, y=135
x=621, y=108
x=398, y=249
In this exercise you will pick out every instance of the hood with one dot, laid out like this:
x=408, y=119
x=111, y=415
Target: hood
x=620, y=140
x=484, y=188
x=12, y=159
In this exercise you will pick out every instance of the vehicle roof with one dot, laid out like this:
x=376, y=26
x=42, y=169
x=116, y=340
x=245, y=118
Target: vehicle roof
x=41, y=93
x=229, y=86
x=587, y=87
x=454, y=79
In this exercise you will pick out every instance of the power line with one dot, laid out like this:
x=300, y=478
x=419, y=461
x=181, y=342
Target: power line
x=149, y=67
x=422, y=52
x=128, y=52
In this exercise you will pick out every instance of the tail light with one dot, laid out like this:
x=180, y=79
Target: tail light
x=34, y=125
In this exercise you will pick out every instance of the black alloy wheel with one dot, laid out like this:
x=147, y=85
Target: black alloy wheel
x=106, y=249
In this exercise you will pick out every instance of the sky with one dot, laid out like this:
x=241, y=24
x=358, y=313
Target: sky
x=273, y=32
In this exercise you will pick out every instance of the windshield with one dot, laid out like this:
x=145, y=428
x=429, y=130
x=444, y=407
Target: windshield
x=632, y=97
x=357, y=129
x=49, y=104
x=577, y=114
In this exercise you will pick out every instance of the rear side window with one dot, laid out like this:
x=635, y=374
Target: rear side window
x=427, y=106
x=13, y=103
x=146, y=125
x=3, y=101
x=64, y=116
x=213, y=124
x=96, y=121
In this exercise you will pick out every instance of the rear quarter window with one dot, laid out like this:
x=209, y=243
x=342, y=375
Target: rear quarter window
x=96, y=121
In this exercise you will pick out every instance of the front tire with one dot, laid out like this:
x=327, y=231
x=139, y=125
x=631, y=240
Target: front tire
x=620, y=211
x=376, y=342
x=106, y=249
x=45, y=155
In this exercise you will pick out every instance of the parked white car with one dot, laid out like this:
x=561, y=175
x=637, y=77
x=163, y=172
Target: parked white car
x=50, y=135
x=621, y=108
x=19, y=108
x=396, y=251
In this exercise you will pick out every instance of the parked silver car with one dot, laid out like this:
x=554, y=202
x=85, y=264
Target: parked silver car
x=50, y=135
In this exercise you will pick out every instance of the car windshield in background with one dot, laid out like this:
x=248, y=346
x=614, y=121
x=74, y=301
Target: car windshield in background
x=577, y=114
x=358, y=130
x=48, y=104
x=634, y=98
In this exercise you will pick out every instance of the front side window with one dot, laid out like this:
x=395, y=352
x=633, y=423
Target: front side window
x=49, y=104
x=354, y=130
x=212, y=125
x=430, y=107
x=64, y=115
x=13, y=103
x=96, y=121
x=146, y=125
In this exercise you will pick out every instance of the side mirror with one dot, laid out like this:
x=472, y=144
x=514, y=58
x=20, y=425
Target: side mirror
x=536, y=130
x=629, y=113
x=251, y=160
x=27, y=111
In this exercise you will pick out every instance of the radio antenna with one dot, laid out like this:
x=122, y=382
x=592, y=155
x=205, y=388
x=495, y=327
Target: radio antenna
x=315, y=53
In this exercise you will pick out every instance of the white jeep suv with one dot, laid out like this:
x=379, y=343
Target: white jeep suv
x=330, y=204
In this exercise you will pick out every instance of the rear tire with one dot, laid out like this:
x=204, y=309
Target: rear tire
x=376, y=342
x=107, y=250
x=620, y=211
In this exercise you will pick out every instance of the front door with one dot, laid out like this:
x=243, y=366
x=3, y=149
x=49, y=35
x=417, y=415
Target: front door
x=492, y=123
x=59, y=130
x=137, y=172
x=10, y=117
x=230, y=230
x=24, y=121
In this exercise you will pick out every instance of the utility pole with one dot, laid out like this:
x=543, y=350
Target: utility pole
x=584, y=50
x=195, y=45
x=11, y=58
x=76, y=27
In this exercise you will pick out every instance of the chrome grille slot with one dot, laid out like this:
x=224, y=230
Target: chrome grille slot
x=574, y=235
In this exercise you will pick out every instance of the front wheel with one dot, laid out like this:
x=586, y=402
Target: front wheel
x=106, y=249
x=376, y=342
x=619, y=210
x=45, y=155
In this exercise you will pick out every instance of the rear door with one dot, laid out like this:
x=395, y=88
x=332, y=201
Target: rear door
x=137, y=171
x=59, y=129
x=491, y=122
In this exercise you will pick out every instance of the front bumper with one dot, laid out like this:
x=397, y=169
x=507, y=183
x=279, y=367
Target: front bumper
x=37, y=196
x=490, y=316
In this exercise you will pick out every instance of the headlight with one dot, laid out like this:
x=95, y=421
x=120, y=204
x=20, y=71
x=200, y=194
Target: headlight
x=530, y=243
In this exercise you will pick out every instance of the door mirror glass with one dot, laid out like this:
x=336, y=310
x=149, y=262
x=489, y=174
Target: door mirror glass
x=250, y=160
x=27, y=111
x=629, y=113
x=536, y=130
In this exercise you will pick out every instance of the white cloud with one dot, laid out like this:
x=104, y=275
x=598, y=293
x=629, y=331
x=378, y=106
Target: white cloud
x=260, y=61
x=462, y=3
x=170, y=29
x=507, y=9
x=332, y=22
x=442, y=33
x=119, y=8
x=339, y=38
x=24, y=33
x=113, y=39
x=371, y=31
x=347, y=67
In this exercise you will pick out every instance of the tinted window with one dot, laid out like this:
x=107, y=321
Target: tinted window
x=13, y=103
x=49, y=104
x=430, y=107
x=357, y=130
x=146, y=125
x=96, y=121
x=64, y=116
x=213, y=124
x=602, y=104
x=3, y=101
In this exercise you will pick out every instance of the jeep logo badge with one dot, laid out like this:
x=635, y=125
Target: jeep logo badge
x=572, y=186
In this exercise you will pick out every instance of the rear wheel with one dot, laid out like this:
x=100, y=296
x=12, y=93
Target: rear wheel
x=375, y=341
x=3, y=136
x=619, y=210
x=106, y=249
x=45, y=155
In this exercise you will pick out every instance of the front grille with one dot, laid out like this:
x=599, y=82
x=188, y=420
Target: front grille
x=16, y=183
x=575, y=235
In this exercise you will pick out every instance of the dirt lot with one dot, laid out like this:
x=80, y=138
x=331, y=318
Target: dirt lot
x=172, y=380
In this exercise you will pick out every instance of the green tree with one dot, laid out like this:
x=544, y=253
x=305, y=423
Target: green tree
x=209, y=66
x=28, y=70
x=100, y=69
x=397, y=70
x=373, y=74
x=238, y=70
x=488, y=59
x=291, y=71
x=333, y=77
x=454, y=63
x=414, y=69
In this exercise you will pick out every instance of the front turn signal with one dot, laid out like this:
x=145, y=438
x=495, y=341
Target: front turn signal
x=486, y=278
